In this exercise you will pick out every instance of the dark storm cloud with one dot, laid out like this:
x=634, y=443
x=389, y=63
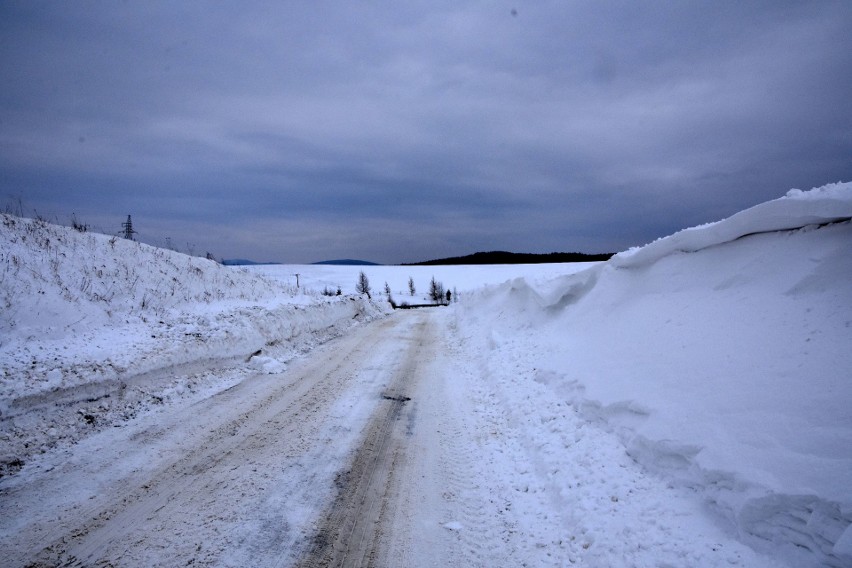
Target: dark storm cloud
x=403, y=131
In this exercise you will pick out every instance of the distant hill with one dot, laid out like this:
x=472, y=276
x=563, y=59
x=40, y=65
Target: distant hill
x=243, y=262
x=348, y=262
x=502, y=257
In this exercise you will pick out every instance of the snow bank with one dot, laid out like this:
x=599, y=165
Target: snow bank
x=720, y=356
x=93, y=328
x=55, y=279
x=827, y=204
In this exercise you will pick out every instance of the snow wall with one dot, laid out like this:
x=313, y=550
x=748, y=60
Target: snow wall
x=98, y=327
x=722, y=356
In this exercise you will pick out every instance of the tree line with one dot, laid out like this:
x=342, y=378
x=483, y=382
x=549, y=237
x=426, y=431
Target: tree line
x=503, y=257
x=437, y=293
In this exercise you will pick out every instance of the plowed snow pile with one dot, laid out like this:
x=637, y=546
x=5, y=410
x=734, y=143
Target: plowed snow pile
x=721, y=356
x=94, y=328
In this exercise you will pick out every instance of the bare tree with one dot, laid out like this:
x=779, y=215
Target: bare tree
x=363, y=285
x=436, y=291
x=411, y=288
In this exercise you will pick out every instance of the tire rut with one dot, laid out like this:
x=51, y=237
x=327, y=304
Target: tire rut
x=351, y=529
x=259, y=426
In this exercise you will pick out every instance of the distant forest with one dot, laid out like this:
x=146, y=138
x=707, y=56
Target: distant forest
x=502, y=257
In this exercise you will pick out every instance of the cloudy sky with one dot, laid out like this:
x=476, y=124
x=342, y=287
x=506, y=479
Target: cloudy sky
x=403, y=131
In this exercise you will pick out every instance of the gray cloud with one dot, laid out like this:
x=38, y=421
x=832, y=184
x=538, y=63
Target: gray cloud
x=396, y=132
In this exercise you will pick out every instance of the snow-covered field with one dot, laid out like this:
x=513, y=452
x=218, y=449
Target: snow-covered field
x=684, y=404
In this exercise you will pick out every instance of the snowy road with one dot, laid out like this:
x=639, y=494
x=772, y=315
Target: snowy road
x=354, y=456
x=242, y=477
x=393, y=445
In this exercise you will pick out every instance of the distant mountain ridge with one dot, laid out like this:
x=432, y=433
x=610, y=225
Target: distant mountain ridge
x=243, y=262
x=492, y=257
x=349, y=262
x=503, y=257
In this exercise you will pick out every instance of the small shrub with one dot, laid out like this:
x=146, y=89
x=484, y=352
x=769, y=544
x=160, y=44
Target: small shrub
x=77, y=225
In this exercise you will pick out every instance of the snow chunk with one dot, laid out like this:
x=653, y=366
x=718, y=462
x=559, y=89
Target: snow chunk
x=269, y=365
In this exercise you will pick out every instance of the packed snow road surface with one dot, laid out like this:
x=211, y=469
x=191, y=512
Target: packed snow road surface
x=241, y=477
x=394, y=445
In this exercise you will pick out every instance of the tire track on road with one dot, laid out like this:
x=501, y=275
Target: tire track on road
x=231, y=451
x=351, y=530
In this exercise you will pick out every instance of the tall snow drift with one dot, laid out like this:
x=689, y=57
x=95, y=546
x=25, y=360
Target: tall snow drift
x=721, y=355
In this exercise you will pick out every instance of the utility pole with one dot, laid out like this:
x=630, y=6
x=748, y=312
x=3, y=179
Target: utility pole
x=128, y=229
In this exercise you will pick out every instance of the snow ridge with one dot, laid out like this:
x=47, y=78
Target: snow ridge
x=722, y=371
x=54, y=278
x=95, y=328
x=828, y=204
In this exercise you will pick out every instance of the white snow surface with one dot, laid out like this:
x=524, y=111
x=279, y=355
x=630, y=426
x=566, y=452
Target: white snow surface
x=685, y=404
x=721, y=358
x=84, y=316
x=797, y=209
